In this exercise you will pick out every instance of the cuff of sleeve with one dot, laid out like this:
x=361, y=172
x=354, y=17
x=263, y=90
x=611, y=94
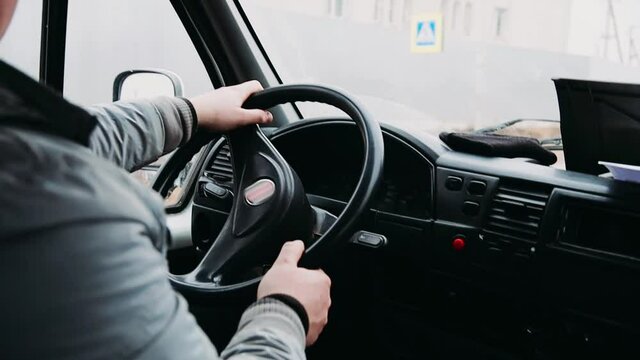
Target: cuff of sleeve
x=178, y=120
x=188, y=117
x=296, y=306
x=271, y=305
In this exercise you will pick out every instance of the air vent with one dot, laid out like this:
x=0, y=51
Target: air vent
x=516, y=211
x=220, y=169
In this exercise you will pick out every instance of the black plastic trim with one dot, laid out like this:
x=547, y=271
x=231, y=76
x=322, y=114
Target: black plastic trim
x=165, y=178
x=517, y=169
x=255, y=37
x=199, y=43
x=402, y=137
x=53, y=42
x=553, y=222
x=220, y=35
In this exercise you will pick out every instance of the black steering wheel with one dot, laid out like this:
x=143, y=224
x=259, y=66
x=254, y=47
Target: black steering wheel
x=270, y=205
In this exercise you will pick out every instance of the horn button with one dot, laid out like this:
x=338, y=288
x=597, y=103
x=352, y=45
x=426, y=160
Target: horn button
x=259, y=192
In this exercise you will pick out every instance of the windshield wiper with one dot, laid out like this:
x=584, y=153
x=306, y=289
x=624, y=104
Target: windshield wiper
x=510, y=123
x=552, y=143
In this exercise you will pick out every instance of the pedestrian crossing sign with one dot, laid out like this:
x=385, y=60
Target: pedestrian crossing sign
x=426, y=33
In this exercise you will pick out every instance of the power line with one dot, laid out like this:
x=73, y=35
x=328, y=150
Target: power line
x=634, y=55
x=613, y=35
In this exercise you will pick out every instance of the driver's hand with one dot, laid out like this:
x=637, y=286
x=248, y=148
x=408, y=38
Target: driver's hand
x=309, y=287
x=221, y=110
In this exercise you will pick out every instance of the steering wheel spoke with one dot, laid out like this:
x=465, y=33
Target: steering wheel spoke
x=323, y=221
x=224, y=253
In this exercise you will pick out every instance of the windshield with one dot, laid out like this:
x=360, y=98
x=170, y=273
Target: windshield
x=435, y=65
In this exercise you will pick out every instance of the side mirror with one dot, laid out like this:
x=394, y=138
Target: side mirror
x=132, y=84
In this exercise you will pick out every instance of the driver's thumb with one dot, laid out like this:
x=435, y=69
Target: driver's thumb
x=291, y=253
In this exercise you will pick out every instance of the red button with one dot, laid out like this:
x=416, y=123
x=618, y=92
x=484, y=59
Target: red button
x=458, y=244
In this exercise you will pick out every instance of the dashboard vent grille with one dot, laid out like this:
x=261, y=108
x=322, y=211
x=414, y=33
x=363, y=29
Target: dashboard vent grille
x=220, y=168
x=516, y=211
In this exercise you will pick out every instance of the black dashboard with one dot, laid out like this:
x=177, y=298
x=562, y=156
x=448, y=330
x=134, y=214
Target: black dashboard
x=551, y=241
x=328, y=159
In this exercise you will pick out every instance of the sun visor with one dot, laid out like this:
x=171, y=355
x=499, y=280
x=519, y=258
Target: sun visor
x=600, y=121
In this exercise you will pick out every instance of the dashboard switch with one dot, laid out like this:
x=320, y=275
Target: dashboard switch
x=470, y=208
x=477, y=187
x=211, y=189
x=453, y=183
x=458, y=243
x=369, y=239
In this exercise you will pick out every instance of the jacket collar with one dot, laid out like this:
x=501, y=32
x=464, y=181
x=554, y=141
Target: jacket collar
x=26, y=103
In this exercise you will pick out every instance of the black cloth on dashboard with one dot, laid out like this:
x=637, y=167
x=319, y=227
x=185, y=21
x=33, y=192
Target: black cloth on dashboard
x=499, y=146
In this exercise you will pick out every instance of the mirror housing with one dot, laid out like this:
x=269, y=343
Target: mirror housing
x=131, y=84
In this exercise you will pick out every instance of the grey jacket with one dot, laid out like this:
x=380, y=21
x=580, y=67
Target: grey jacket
x=82, y=271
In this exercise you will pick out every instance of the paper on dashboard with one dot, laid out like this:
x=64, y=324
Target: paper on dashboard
x=624, y=172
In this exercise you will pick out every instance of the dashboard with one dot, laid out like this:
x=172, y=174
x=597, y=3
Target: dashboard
x=547, y=239
x=328, y=160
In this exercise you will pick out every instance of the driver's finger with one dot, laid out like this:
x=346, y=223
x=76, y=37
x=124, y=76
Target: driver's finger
x=249, y=87
x=254, y=116
x=290, y=253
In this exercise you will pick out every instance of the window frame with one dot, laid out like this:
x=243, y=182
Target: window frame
x=53, y=29
x=210, y=47
x=54, y=35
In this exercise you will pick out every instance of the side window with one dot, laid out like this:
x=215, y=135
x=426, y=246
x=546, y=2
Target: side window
x=20, y=45
x=105, y=38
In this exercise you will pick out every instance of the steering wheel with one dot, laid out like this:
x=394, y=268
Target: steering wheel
x=270, y=205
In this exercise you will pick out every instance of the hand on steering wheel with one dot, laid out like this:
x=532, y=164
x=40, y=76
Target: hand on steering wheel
x=309, y=287
x=221, y=110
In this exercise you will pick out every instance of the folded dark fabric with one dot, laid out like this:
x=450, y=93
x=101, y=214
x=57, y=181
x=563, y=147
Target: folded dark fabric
x=499, y=146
